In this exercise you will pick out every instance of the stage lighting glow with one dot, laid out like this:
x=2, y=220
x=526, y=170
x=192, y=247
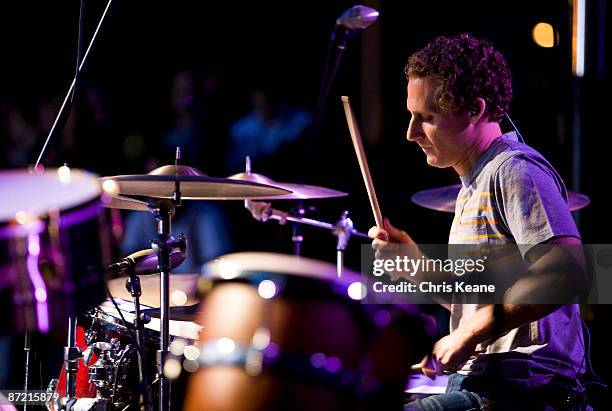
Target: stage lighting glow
x=261, y=338
x=227, y=270
x=21, y=217
x=110, y=187
x=172, y=369
x=357, y=291
x=177, y=347
x=191, y=352
x=544, y=35
x=191, y=365
x=226, y=345
x=267, y=289
x=64, y=174
x=178, y=297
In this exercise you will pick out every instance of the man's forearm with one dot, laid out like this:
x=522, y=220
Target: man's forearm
x=491, y=321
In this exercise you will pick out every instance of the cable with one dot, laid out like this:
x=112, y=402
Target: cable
x=518, y=133
x=125, y=323
x=587, y=354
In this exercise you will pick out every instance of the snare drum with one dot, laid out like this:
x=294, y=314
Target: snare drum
x=54, y=245
x=104, y=325
x=284, y=332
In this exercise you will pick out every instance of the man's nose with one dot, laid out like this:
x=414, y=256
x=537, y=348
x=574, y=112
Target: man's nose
x=415, y=131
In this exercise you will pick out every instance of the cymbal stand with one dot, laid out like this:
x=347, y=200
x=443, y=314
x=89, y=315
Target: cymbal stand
x=297, y=236
x=163, y=214
x=165, y=243
x=343, y=228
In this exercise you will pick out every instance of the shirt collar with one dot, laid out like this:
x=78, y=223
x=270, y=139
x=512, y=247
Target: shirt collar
x=495, y=148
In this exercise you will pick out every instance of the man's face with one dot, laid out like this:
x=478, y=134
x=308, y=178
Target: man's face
x=445, y=138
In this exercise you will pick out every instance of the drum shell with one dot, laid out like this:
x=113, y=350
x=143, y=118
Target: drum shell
x=54, y=268
x=306, y=318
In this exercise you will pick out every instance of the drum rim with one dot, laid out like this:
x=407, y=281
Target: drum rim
x=94, y=178
x=67, y=218
x=321, y=270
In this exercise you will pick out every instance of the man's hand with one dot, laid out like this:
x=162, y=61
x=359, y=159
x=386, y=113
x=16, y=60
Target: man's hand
x=387, y=236
x=453, y=351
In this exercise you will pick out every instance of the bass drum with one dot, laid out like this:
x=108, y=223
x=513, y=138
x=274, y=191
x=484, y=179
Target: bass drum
x=285, y=333
x=55, y=240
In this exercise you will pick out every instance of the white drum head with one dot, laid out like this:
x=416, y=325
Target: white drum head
x=35, y=195
x=235, y=265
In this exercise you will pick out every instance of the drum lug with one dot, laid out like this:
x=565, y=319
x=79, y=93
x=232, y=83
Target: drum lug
x=103, y=371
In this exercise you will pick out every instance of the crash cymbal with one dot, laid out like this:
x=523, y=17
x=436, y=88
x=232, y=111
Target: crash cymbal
x=183, y=289
x=444, y=198
x=298, y=191
x=194, y=185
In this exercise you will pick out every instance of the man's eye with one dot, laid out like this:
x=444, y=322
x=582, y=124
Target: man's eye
x=427, y=118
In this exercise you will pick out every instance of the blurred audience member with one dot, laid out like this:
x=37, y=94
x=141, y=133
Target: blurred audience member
x=271, y=127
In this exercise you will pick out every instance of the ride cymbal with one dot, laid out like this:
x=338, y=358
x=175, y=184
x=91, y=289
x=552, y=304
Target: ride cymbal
x=444, y=198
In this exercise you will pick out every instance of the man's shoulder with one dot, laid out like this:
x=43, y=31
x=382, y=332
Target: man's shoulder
x=518, y=160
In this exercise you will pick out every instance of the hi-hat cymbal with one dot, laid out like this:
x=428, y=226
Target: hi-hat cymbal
x=124, y=203
x=182, y=291
x=444, y=198
x=194, y=185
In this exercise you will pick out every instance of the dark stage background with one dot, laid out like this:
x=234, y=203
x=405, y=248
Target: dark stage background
x=230, y=48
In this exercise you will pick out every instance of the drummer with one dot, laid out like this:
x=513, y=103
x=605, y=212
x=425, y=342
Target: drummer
x=459, y=90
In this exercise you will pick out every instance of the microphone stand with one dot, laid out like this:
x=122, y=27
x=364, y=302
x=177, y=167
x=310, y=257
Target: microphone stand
x=72, y=353
x=62, y=115
x=132, y=283
x=27, y=347
x=341, y=34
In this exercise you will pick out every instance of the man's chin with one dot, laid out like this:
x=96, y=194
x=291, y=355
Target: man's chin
x=435, y=162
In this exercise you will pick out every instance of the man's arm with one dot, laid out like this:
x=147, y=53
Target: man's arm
x=390, y=242
x=559, y=267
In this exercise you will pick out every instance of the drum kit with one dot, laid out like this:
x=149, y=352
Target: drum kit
x=252, y=331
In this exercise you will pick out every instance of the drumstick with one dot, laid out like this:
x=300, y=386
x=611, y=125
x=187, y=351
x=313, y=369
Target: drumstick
x=363, y=161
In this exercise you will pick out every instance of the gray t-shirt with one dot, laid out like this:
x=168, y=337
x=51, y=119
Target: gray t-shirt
x=513, y=195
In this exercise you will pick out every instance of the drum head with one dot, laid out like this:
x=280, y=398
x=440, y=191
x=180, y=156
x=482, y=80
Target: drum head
x=37, y=194
x=245, y=264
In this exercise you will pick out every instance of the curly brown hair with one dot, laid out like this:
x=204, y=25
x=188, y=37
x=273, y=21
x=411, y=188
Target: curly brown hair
x=468, y=68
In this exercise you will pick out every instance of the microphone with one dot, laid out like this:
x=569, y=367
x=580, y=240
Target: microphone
x=146, y=261
x=357, y=17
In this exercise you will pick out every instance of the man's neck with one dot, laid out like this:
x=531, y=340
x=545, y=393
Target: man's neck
x=486, y=134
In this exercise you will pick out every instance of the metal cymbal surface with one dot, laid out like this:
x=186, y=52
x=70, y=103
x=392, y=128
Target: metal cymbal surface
x=194, y=185
x=298, y=191
x=444, y=198
x=124, y=203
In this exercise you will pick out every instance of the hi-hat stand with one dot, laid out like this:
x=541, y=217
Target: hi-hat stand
x=343, y=229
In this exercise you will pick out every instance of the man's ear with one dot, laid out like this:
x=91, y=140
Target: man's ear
x=477, y=110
